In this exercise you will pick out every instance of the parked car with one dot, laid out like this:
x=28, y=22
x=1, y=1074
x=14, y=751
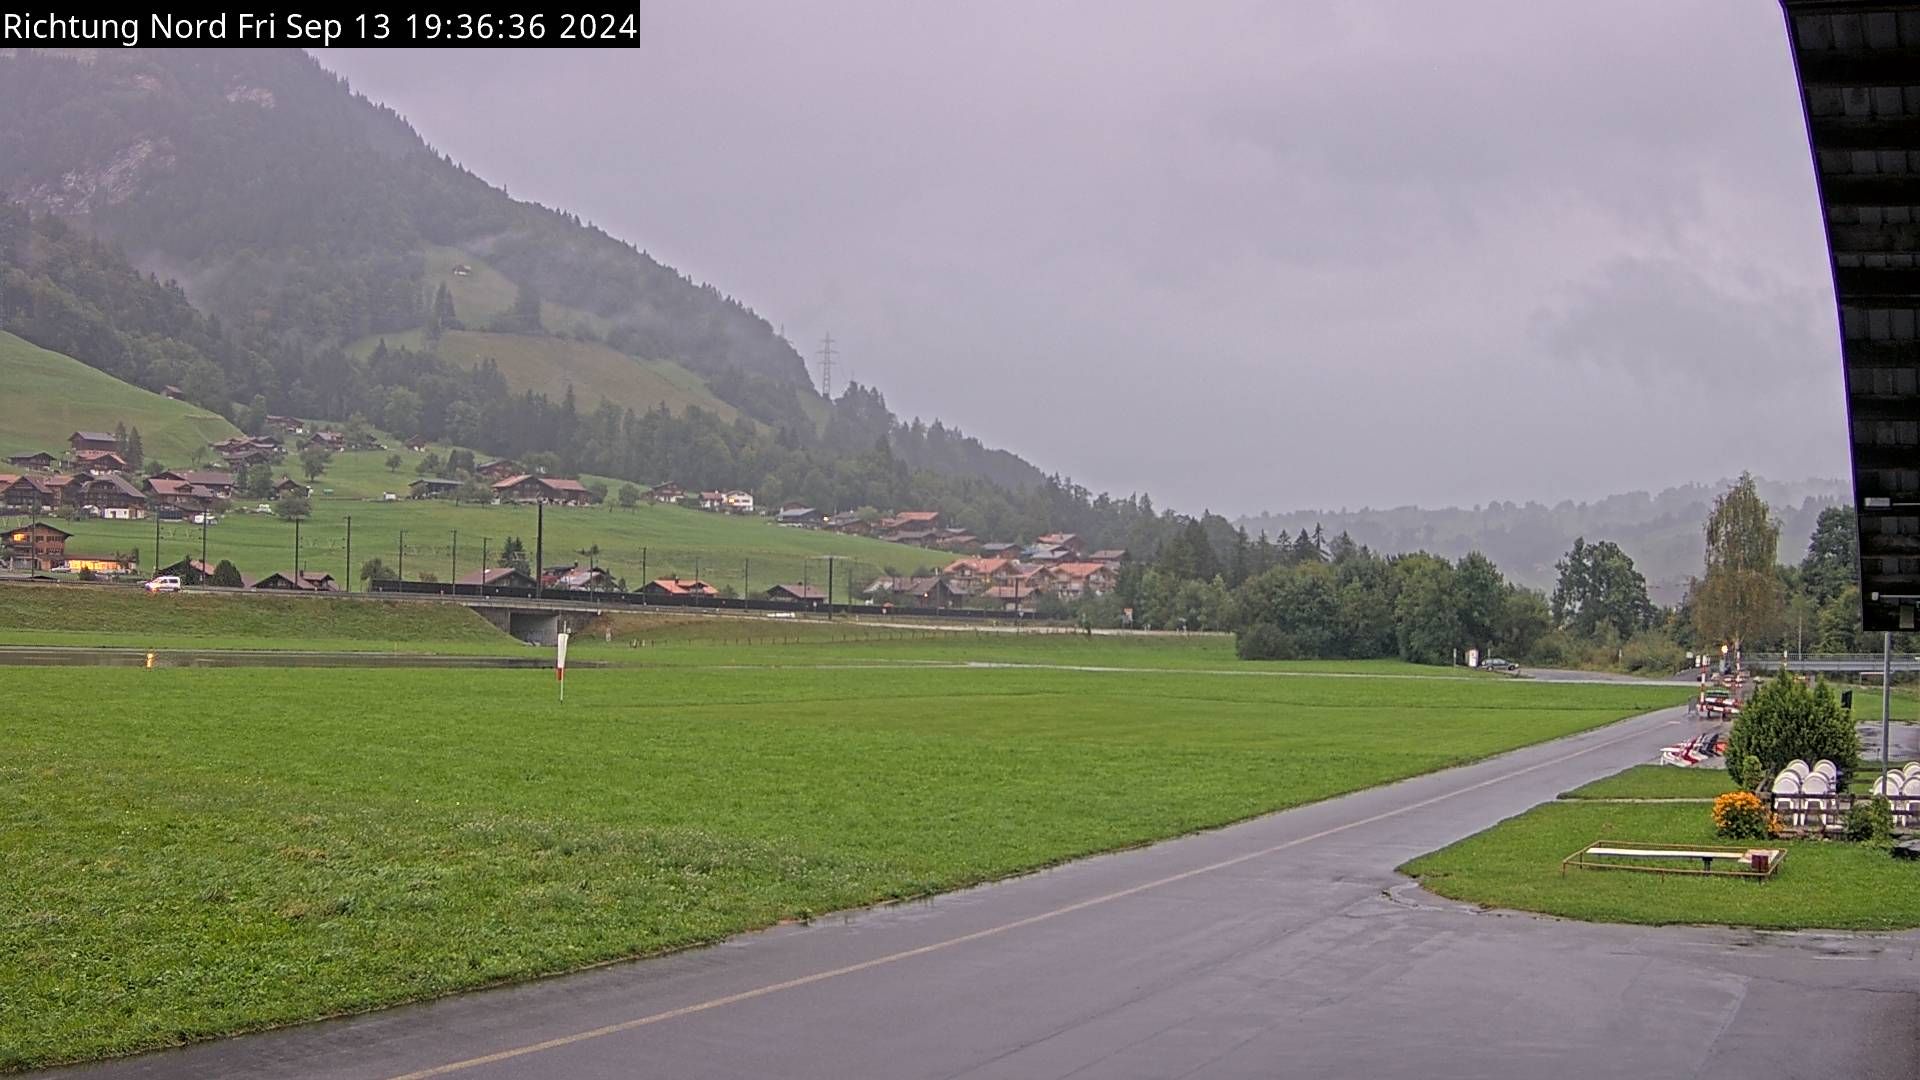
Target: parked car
x=163, y=583
x=1499, y=664
x=205, y=519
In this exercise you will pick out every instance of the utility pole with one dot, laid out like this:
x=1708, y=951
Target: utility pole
x=539, y=547
x=1886, y=698
x=483, y=566
x=156, y=543
x=830, y=560
x=203, y=549
x=403, y=556
x=296, y=552
x=454, y=569
x=826, y=366
x=349, y=552
x=746, y=580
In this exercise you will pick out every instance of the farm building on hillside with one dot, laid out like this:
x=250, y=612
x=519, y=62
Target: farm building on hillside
x=432, y=487
x=99, y=461
x=219, y=482
x=805, y=517
x=498, y=469
x=666, y=493
x=527, y=488
x=92, y=440
x=166, y=492
x=39, y=459
x=113, y=495
x=802, y=593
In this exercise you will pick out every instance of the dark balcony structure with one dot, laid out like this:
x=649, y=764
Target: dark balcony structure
x=1859, y=69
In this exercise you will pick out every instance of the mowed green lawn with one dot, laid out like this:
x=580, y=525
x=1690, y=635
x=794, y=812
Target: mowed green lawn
x=650, y=540
x=1516, y=864
x=104, y=615
x=190, y=852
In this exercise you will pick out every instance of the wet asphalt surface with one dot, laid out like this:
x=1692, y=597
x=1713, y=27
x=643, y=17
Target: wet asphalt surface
x=1284, y=946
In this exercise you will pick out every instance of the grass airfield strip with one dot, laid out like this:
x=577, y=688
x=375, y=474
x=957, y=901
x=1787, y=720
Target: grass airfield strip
x=192, y=852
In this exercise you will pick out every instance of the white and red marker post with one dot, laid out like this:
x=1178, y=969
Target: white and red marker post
x=560, y=663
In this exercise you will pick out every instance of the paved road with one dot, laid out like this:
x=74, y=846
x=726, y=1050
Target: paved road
x=1284, y=946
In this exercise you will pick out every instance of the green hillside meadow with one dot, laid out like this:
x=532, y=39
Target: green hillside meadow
x=649, y=540
x=45, y=396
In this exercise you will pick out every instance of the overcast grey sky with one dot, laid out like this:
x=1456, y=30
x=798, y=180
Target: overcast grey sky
x=1243, y=255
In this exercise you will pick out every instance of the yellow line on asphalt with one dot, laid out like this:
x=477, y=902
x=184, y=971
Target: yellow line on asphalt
x=977, y=935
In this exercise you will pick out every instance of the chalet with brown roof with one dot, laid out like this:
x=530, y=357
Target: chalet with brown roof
x=287, y=485
x=38, y=546
x=848, y=522
x=92, y=440
x=665, y=587
x=218, y=482
x=99, y=461
x=1111, y=556
x=38, y=460
x=916, y=592
x=113, y=495
x=806, y=594
x=1072, y=580
x=497, y=577
x=25, y=493
x=527, y=488
x=498, y=469
x=432, y=487
x=666, y=493
x=912, y=519
x=305, y=581
x=165, y=491
x=973, y=576
x=1069, y=541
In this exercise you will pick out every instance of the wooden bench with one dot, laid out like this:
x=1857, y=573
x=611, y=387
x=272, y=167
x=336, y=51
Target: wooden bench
x=1758, y=862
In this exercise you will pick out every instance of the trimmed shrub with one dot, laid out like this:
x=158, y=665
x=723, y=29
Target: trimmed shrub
x=1785, y=720
x=1870, y=820
x=1740, y=815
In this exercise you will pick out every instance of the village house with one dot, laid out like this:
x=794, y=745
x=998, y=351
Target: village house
x=287, y=485
x=497, y=577
x=101, y=564
x=850, y=523
x=1045, y=553
x=305, y=581
x=666, y=493
x=192, y=571
x=432, y=487
x=168, y=493
x=326, y=440
x=92, y=440
x=583, y=578
x=804, y=517
x=1111, y=556
x=1071, y=542
x=916, y=592
x=289, y=424
x=99, y=461
x=713, y=500
x=498, y=469
x=39, y=460
x=417, y=444
x=171, y=391
x=24, y=493
x=806, y=594
x=974, y=576
x=527, y=488
x=673, y=587
x=112, y=495
x=38, y=546
x=911, y=520
x=219, y=483
x=955, y=540
x=1073, y=580
x=1000, y=550
x=245, y=456
x=739, y=502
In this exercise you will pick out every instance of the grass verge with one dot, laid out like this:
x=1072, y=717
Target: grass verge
x=1516, y=864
